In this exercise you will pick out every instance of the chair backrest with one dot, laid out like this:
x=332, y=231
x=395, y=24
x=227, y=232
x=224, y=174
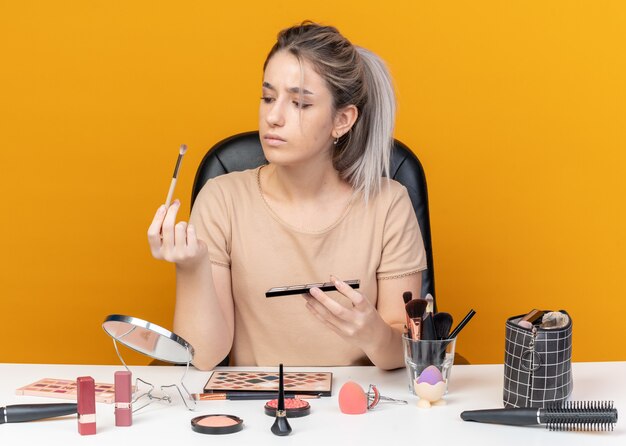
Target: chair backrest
x=243, y=151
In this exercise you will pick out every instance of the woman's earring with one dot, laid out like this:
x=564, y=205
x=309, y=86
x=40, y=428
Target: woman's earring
x=336, y=141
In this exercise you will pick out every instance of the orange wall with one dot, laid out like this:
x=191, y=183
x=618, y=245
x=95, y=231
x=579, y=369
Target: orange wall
x=517, y=110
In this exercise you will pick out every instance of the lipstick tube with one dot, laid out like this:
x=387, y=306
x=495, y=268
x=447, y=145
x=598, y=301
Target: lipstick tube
x=86, y=396
x=123, y=396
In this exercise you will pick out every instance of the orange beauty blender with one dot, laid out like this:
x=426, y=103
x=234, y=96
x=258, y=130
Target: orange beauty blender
x=352, y=399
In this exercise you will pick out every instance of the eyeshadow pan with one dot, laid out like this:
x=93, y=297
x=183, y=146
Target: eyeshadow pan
x=216, y=424
x=294, y=407
x=217, y=421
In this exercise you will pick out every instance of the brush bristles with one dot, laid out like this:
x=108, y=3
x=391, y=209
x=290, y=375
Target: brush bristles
x=416, y=307
x=407, y=296
x=580, y=416
x=183, y=149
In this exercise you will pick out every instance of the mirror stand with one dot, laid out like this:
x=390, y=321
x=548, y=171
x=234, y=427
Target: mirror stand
x=158, y=343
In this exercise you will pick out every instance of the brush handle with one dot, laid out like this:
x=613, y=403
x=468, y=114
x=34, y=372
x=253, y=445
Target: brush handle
x=170, y=193
x=462, y=324
x=415, y=328
x=523, y=416
x=428, y=328
x=281, y=426
x=281, y=390
x=179, y=160
x=18, y=413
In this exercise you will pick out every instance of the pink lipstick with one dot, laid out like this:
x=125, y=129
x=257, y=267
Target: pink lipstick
x=86, y=396
x=123, y=396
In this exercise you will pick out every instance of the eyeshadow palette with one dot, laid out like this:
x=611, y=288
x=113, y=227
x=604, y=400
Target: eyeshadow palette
x=66, y=389
x=306, y=383
x=303, y=289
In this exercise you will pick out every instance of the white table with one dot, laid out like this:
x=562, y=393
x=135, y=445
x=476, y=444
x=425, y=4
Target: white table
x=471, y=387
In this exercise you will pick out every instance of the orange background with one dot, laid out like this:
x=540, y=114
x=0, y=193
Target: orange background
x=516, y=109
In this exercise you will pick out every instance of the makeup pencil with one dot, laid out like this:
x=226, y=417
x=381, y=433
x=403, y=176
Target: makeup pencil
x=170, y=193
x=239, y=396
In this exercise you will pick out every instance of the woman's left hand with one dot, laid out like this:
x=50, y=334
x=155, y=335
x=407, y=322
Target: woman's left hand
x=360, y=324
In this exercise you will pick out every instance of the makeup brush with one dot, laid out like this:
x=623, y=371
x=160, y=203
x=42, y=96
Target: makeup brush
x=407, y=296
x=568, y=416
x=431, y=303
x=443, y=324
x=181, y=152
x=428, y=326
x=18, y=413
x=281, y=425
x=414, y=311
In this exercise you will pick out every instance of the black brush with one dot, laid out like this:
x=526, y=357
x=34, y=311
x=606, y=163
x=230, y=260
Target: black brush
x=443, y=324
x=281, y=426
x=407, y=296
x=568, y=416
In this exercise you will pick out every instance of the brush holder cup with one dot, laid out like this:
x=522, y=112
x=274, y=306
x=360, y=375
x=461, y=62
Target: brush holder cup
x=420, y=355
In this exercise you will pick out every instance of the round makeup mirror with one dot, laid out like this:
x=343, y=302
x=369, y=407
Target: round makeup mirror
x=148, y=338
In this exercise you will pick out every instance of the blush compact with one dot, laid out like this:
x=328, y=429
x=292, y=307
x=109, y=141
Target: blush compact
x=295, y=407
x=216, y=424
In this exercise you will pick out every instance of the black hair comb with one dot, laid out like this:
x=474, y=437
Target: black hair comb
x=568, y=416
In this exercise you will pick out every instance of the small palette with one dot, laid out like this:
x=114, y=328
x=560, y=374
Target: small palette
x=294, y=407
x=66, y=389
x=216, y=424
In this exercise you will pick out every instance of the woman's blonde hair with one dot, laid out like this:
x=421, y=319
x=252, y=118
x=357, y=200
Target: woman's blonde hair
x=355, y=76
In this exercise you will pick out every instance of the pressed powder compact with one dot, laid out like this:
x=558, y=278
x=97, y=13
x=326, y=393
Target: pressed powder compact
x=216, y=424
x=294, y=407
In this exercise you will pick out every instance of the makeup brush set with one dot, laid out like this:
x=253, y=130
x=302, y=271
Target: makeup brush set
x=429, y=342
x=422, y=323
x=429, y=337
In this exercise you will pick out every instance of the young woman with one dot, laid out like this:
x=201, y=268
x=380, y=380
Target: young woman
x=319, y=211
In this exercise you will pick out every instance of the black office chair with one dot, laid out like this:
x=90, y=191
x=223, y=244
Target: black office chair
x=243, y=151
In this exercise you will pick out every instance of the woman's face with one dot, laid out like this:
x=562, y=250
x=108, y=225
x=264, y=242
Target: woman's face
x=296, y=112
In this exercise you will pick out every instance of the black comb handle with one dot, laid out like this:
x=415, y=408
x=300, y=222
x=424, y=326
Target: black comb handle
x=523, y=416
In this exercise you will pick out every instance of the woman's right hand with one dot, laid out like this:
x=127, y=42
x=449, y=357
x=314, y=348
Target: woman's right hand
x=177, y=243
